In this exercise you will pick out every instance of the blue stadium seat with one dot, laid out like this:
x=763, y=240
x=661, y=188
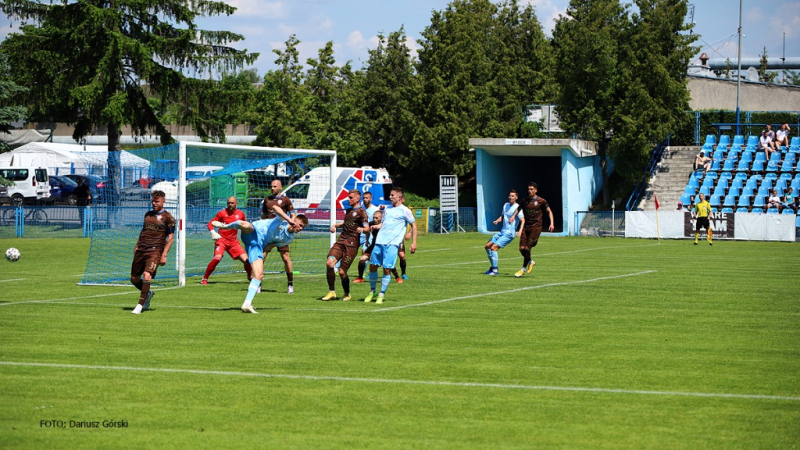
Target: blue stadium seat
x=705, y=190
x=693, y=182
x=787, y=211
x=741, y=176
x=797, y=222
x=715, y=165
x=763, y=191
x=790, y=156
x=771, y=176
x=744, y=166
x=686, y=199
x=755, y=210
x=795, y=142
x=748, y=191
x=711, y=139
x=723, y=148
x=712, y=175
x=751, y=149
x=787, y=177
x=690, y=189
x=715, y=200
x=743, y=201
x=734, y=191
x=772, y=210
x=759, y=201
x=787, y=165
x=742, y=210
x=779, y=191
x=752, y=183
x=738, y=140
x=773, y=166
x=730, y=200
x=776, y=156
x=795, y=184
x=728, y=210
x=752, y=140
x=719, y=154
x=781, y=183
x=719, y=191
x=728, y=165
x=748, y=156
x=737, y=183
x=760, y=156
x=758, y=166
x=724, y=181
x=724, y=139
x=709, y=182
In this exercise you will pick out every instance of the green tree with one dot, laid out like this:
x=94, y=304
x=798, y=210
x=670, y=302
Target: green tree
x=586, y=42
x=766, y=77
x=623, y=78
x=8, y=92
x=655, y=54
x=479, y=65
x=101, y=65
x=283, y=104
x=389, y=91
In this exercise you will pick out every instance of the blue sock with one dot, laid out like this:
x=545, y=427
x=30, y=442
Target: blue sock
x=232, y=226
x=385, y=280
x=489, y=255
x=493, y=258
x=373, y=280
x=251, y=291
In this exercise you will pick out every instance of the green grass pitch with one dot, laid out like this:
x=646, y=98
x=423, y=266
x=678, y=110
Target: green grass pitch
x=609, y=343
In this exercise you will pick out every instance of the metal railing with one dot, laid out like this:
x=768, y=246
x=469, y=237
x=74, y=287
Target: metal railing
x=641, y=187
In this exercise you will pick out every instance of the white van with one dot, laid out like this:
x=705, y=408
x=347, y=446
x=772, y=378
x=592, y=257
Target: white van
x=310, y=194
x=29, y=183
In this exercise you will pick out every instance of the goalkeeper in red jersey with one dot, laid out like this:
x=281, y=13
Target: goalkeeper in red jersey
x=227, y=240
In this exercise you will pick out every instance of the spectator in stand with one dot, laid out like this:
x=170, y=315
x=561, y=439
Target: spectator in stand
x=782, y=137
x=680, y=206
x=790, y=201
x=702, y=162
x=774, y=201
x=766, y=141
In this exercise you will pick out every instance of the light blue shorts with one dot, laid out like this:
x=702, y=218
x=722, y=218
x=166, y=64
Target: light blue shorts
x=254, y=245
x=384, y=256
x=502, y=239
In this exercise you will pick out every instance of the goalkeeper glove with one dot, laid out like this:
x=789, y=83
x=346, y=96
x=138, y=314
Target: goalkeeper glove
x=214, y=235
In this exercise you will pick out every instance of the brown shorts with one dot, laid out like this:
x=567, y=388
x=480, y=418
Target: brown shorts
x=530, y=237
x=145, y=262
x=345, y=254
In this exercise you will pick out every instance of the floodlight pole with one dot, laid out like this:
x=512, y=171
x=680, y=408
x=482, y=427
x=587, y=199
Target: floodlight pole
x=739, y=73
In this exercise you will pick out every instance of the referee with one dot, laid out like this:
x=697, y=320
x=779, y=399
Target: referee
x=701, y=211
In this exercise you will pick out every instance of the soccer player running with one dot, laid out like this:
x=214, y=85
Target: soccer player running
x=151, y=249
x=345, y=250
x=258, y=235
x=532, y=208
x=370, y=209
x=269, y=209
x=511, y=212
x=226, y=240
x=701, y=211
x=387, y=243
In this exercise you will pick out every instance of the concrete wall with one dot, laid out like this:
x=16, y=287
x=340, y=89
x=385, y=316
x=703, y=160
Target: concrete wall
x=582, y=181
x=716, y=93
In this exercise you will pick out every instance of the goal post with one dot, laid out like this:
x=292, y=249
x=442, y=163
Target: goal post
x=197, y=178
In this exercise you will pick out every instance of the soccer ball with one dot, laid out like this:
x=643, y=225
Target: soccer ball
x=12, y=254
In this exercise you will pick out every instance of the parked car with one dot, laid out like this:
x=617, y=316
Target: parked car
x=62, y=189
x=96, y=184
x=30, y=184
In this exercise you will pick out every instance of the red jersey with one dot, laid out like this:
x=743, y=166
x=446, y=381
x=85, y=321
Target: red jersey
x=226, y=218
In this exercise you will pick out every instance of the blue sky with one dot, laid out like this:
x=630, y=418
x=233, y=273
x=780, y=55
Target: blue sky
x=353, y=25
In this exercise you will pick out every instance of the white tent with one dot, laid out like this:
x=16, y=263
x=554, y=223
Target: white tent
x=71, y=158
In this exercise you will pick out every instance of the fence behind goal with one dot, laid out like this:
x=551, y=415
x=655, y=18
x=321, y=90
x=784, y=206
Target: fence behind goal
x=197, y=180
x=600, y=223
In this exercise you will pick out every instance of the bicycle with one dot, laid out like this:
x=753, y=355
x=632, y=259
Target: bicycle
x=34, y=216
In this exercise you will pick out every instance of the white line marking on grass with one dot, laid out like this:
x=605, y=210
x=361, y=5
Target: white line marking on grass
x=401, y=381
x=483, y=261
x=81, y=298
x=434, y=250
x=15, y=279
x=517, y=290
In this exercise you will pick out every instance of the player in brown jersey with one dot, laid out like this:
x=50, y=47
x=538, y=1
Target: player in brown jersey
x=532, y=208
x=152, y=249
x=345, y=250
x=278, y=204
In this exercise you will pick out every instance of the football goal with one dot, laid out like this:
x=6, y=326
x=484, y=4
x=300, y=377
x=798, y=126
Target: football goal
x=197, y=179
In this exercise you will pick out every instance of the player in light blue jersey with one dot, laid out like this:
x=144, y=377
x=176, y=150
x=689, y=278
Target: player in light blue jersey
x=258, y=235
x=392, y=231
x=511, y=212
x=369, y=208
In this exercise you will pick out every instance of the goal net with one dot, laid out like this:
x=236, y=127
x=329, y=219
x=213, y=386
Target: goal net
x=197, y=179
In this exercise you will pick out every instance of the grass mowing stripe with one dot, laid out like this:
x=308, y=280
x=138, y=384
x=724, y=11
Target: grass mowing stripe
x=15, y=279
x=400, y=381
x=565, y=283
